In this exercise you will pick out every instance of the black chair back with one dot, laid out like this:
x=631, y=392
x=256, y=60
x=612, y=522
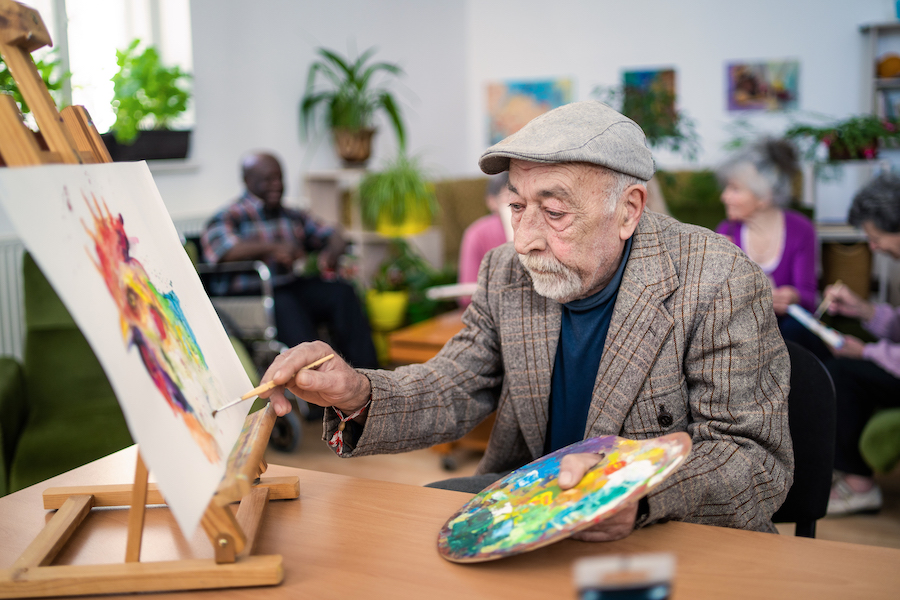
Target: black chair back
x=811, y=410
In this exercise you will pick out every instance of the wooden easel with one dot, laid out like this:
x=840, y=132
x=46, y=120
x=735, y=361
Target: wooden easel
x=70, y=137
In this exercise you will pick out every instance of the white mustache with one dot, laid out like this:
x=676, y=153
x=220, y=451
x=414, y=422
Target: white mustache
x=542, y=264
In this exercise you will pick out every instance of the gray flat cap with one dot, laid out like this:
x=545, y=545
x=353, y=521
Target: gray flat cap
x=587, y=131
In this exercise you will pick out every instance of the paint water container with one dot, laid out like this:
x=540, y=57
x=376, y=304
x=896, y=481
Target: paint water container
x=625, y=577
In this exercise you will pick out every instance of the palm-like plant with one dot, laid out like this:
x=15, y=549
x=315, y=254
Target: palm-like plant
x=352, y=97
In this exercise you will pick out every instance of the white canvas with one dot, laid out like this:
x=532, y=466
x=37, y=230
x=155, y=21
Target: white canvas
x=133, y=323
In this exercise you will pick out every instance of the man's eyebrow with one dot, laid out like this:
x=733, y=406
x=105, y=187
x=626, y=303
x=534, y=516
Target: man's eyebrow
x=557, y=192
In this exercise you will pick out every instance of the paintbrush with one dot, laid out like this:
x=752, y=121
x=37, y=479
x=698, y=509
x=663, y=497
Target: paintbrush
x=269, y=385
x=826, y=302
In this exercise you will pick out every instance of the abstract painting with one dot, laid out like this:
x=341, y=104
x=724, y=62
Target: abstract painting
x=512, y=104
x=104, y=239
x=527, y=509
x=769, y=86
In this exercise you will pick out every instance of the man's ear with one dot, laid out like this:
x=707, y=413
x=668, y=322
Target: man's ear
x=632, y=205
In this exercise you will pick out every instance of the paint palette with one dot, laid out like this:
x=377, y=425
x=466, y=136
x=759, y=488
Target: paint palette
x=527, y=509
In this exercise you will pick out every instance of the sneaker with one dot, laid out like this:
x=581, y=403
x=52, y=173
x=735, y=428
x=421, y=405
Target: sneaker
x=845, y=501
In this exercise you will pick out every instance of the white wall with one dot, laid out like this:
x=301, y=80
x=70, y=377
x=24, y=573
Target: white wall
x=251, y=59
x=250, y=66
x=593, y=42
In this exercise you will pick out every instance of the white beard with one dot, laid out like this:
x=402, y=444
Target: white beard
x=551, y=278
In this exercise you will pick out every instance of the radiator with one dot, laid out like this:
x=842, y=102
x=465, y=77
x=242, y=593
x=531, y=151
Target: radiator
x=12, y=315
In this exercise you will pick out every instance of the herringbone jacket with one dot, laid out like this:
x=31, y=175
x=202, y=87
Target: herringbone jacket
x=693, y=346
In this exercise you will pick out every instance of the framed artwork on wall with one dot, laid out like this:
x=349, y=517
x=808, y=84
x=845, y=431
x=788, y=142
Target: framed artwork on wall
x=512, y=104
x=649, y=98
x=763, y=86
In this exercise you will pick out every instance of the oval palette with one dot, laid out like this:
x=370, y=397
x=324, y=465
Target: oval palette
x=527, y=509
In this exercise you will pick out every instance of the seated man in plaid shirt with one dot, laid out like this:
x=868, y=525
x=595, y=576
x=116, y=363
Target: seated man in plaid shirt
x=258, y=227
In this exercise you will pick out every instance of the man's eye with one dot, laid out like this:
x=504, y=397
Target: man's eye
x=516, y=207
x=555, y=215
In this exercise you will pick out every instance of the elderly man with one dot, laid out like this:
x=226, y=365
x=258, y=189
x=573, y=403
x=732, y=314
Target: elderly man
x=600, y=318
x=258, y=227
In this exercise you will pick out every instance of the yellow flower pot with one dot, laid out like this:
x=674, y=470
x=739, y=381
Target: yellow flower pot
x=387, y=310
x=417, y=222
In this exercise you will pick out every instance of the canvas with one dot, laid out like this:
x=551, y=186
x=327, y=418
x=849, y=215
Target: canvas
x=104, y=239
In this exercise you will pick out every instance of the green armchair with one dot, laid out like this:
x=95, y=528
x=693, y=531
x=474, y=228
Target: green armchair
x=57, y=409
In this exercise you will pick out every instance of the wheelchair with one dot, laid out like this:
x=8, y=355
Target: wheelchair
x=251, y=320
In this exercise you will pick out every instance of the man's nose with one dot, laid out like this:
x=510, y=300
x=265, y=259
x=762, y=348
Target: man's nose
x=527, y=232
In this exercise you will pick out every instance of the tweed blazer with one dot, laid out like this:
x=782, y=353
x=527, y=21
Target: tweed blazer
x=693, y=346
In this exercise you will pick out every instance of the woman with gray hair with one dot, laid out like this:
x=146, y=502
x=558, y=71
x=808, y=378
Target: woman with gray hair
x=866, y=376
x=758, y=187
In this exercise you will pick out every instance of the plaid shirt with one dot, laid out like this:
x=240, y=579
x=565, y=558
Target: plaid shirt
x=247, y=221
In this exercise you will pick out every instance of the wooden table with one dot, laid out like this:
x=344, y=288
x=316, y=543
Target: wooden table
x=417, y=343
x=357, y=538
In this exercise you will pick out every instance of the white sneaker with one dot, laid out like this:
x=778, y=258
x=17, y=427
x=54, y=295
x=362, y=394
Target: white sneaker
x=845, y=501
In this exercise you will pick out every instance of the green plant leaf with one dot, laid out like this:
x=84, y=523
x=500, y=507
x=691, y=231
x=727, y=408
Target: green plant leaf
x=146, y=94
x=349, y=98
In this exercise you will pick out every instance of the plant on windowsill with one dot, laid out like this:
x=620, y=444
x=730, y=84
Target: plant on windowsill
x=350, y=100
x=398, y=200
x=148, y=99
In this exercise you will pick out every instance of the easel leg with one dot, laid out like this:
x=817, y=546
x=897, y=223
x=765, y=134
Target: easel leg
x=249, y=515
x=136, y=512
x=55, y=534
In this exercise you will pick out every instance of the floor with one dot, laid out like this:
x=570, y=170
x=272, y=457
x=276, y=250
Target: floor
x=424, y=466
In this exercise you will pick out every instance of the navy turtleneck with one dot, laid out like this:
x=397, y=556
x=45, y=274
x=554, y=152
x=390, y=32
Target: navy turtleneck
x=585, y=323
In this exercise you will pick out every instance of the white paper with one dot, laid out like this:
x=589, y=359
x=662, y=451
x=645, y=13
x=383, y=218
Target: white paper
x=148, y=320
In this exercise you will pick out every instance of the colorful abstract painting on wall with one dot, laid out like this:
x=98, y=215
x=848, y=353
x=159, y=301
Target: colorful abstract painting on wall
x=154, y=325
x=103, y=237
x=512, y=104
x=770, y=86
x=527, y=509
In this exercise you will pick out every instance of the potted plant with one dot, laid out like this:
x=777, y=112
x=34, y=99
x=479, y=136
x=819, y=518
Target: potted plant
x=398, y=200
x=653, y=108
x=148, y=98
x=855, y=138
x=349, y=101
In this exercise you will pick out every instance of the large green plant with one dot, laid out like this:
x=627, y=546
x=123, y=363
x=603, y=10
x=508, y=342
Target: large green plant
x=147, y=95
x=653, y=108
x=351, y=95
x=398, y=193
x=50, y=69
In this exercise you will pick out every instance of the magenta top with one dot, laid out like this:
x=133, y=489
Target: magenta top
x=797, y=264
x=481, y=236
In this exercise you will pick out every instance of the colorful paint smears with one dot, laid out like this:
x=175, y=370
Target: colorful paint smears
x=153, y=323
x=527, y=509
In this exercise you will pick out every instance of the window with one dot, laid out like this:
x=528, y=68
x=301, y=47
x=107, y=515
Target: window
x=87, y=33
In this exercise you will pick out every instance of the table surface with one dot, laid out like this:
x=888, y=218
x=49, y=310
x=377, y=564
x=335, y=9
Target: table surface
x=417, y=343
x=359, y=538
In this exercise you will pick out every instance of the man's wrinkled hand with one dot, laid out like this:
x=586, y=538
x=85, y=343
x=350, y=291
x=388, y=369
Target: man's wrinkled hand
x=572, y=468
x=334, y=383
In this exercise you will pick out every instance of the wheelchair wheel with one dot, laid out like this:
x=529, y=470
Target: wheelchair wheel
x=286, y=433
